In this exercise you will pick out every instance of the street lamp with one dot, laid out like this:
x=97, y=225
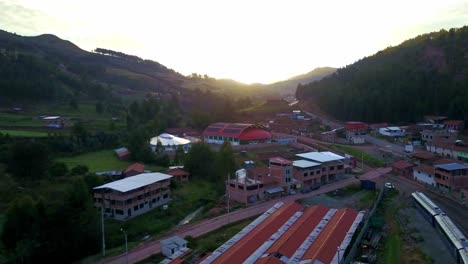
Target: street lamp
x=126, y=245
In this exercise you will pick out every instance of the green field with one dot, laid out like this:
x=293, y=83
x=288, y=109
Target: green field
x=23, y=133
x=103, y=160
x=368, y=159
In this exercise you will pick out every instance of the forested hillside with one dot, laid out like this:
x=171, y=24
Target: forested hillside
x=424, y=75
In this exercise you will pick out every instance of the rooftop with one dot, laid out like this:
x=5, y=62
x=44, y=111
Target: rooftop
x=136, y=167
x=134, y=182
x=305, y=163
x=321, y=157
x=280, y=160
x=428, y=169
x=291, y=233
x=452, y=166
x=423, y=155
x=401, y=164
x=169, y=140
x=173, y=242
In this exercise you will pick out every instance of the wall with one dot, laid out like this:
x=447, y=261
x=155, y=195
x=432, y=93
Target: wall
x=423, y=177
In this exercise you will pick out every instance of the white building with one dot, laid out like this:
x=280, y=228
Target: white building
x=425, y=174
x=170, y=142
x=172, y=245
x=392, y=131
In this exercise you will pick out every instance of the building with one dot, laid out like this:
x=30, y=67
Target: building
x=132, y=196
x=403, y=168
x=423, y=157
x=236, y=133
x=331, y=164
x=122, y=153
x=134, y=169
x=54, y=121
x=292, y=233
x=169, y=142
x=449, y=150
x=392, y=131
x=307, y=172
x=244, y=189
x=454, y=125
x=438, y=135
x=424, y=173
x=179, y=173
x=281, y=171
x=355, y=132
x=172, y=245
x=451, y=176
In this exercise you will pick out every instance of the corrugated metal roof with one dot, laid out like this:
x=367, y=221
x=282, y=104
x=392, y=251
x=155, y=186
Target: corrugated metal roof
x=169, y=140
x=135, y=182
x=280, y=160
x=452, y=166
x=305, y=164
x=325, y=156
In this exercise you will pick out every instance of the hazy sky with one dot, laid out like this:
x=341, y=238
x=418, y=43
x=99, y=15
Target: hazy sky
x=250, y=41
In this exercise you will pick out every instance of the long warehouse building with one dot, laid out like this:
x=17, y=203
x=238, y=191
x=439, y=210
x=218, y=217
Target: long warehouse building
x=292, y=233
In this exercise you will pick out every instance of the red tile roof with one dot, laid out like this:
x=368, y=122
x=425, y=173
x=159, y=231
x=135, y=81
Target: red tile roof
x=428, y=169
x=423, y=155
x=240, y=251
x=177, y=172
x=138, y=167
x=401, y=165
x=453, y=122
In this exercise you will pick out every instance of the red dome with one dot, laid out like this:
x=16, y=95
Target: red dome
x=255, y=133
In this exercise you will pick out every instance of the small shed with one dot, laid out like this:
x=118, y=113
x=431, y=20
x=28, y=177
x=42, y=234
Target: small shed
x=179, y=173
x=403, y=168
x=173, y=244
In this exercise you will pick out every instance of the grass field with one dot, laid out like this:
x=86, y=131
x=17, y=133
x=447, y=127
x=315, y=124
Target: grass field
x=268, y=108
x=368, y=159
x=103, y=160
x=23, y=133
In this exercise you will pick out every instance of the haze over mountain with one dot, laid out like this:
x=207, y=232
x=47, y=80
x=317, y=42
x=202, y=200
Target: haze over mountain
x=424, y=75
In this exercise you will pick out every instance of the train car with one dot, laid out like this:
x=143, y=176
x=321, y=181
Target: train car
x=454, y=238
x=428, y=208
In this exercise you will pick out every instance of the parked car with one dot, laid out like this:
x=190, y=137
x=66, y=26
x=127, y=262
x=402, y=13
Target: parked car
x=305, y=190
x=314, y=188
x=389, y=185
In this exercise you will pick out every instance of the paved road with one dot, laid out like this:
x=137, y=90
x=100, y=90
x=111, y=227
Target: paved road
x=386, y=146
x=203, y=227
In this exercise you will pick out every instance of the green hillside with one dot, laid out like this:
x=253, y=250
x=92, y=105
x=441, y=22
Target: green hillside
x=424, y=75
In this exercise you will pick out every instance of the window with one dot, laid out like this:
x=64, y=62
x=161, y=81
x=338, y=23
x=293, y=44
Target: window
x=154, y=200
x=311, y=173
x=305, y=173
x=135, y=208
x=323, y=169
x=317, y=172
x=119, y=212
x=141, y=205
x=165, y=196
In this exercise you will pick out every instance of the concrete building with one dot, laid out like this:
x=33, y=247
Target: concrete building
x=236, y=134
x=392, y=131
x=451, y=176
x=424, y=173
x=331, y=164
x=245, y=189
x=403, y=168
x=54, y=121
x=438, y=135
x=170, y=142
x=132, y=196
x=281, y=170
x=355, y=132
x=122, y=153
x=172, y=245
x=292, y=233
x=454, y=125
x=307, y=172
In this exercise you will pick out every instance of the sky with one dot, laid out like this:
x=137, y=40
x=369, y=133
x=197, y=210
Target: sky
x=252, y=41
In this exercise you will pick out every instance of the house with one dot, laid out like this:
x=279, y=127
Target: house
x=244, y=189
x=423, y=157
x=435, y=119
x=403, y=168
x=451, y=176
x=236, y=134
x=424, y=173
x=169, y=143
x=281, y=170
x=54, y=121
x=170, y=246
x=132, y=196
x=454, y=125
x=454, y=151
x=355, y=132
x=438, y=135
x=179, y=173
x=122, y=153
x=392, y=131
x=331, y=164
x=134, y=169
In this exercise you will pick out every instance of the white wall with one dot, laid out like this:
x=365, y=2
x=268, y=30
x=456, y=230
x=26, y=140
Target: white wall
x=423, y=177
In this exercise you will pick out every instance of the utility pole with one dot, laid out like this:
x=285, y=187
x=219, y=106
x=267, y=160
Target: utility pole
x=102, y=226
x=362, y=162
x=338, y=252
x=126, y=244
x=228, y=197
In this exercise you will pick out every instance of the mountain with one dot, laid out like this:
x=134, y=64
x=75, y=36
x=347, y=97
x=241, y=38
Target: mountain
x=289, y=86
x=424, y=75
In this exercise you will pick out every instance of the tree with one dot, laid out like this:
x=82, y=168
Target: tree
x=179, y=156
x=58, y=169
x=73, y=104
x=79, y=170
x=99, y=108
x=29, y=159
x=200, y=162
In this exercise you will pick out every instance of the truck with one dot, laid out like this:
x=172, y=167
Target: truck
x=409, y=148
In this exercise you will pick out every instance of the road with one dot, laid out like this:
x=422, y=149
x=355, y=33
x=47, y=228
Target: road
x=386, y=146
x=197, y=229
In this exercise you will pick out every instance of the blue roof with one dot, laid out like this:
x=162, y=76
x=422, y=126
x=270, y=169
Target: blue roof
x=452, y=166
x=120, y=150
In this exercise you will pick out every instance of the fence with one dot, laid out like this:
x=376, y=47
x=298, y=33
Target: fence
x=352, y=252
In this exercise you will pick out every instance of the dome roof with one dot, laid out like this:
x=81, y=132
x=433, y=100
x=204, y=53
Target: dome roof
x=169, y=140
x=255, y=133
